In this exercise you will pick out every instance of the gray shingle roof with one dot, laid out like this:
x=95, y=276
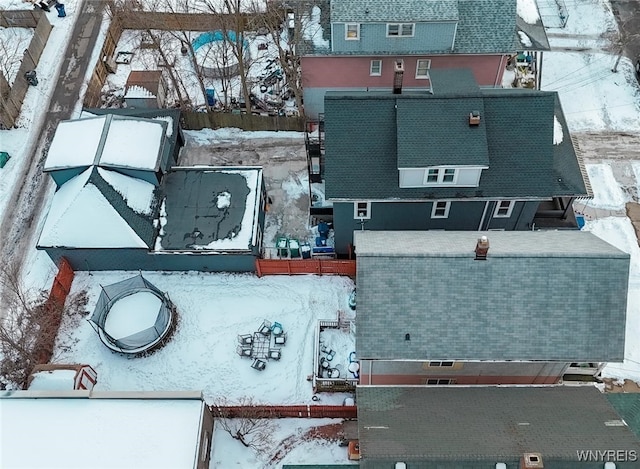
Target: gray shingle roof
x=543, y=295
x=369, y=11
x=364, y=134
x=486, y=26
x=485, y=424
x=140, y=223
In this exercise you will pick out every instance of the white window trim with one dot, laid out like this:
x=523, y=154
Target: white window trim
x=434, y=208
x=440, y=181
x=439, y=381
x=413, y=30
x=356, y=215
x=371, y=72
x=512, y=204
x=425, y=76
x=346, y=32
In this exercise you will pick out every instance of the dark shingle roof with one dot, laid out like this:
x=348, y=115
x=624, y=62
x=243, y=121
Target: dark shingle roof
x=485, y=424
x=140, y=223
x=369, y=11
x=364, y=135
x=543, y=295
x=628, y=406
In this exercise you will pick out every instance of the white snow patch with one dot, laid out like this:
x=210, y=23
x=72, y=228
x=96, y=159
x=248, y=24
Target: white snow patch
x=137, y=91
x=525, y=40
x=606, y=192
x=223, y=200
x=75, y=143
x=312, y=30
x=132, y=314
x=133, y=144
x=558, y=134
x=528, y=11
x=138, y=194
x=53, y=380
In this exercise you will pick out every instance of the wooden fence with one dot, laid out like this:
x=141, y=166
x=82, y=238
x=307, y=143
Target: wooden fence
x=12, y=96
x=215, y=120
x=306, y=266
x=54, y=307
x=292, y=411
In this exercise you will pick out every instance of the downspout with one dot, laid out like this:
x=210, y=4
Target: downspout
x=484, y=213
x=540, y=72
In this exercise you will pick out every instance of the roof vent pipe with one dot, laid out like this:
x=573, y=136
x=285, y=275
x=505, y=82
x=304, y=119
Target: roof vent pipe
x=474, y=118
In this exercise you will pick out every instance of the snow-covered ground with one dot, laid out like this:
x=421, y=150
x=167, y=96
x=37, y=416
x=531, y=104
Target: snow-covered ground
x=215, y=308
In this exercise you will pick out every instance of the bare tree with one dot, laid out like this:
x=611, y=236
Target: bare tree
x=11, y=53
x=251, y=425
x=29, y=328
x=620, y=39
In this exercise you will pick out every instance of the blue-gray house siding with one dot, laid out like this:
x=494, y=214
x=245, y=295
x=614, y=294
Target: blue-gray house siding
x=467, y=215
x=427, y=38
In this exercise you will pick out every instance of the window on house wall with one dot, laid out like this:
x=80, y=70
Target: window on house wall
x=440, y=381
x=362, y=210
x=440, y=209
x=400, y=29
x=441, y=363
x=376, y=68
x=440, y=176
x=422, y=68
x=504, y=208
x=352, y=31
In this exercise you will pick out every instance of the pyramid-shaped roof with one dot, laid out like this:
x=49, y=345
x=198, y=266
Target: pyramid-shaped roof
x=101, y=209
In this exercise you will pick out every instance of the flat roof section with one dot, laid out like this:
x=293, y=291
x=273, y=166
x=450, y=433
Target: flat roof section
x=209, y=209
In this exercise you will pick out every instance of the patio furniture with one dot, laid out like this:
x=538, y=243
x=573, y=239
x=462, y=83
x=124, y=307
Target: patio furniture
x=274, y=354
x=294, y=248
x=276, y=329
x=324, y=363
x=352, y=357
x=243, y=350
x=265, y=328
x=282, y=244
x=245, y=339
x=280, y=339
x=330, y=353
x=258, y=364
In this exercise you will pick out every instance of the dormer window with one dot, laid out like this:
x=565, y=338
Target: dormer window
x=352, y=31
x=400, y=29
x=440, y=176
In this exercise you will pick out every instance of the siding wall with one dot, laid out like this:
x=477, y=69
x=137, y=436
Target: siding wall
x=428, y=37
x=141, y=259
x=352, y=73
x=382, y=372
x=463, y=216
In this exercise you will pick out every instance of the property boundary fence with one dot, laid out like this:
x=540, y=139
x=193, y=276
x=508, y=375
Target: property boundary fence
x=54, y=307
x=214, y=120
x=292, y=411
x=12, y=95
x=306, y=266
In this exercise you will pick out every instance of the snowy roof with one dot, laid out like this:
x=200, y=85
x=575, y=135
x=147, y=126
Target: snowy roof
x=75, y=143
x=79, y=431
x=218, y=212
x=100, y=209
x=53, y=380
x=108, y=141
x=543, y=295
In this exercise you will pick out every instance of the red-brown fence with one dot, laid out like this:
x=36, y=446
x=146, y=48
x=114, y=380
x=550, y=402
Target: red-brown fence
x=291, y=411
x=306, y=266
x=54, y=309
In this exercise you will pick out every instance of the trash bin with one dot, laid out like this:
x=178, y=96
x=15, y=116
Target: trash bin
x=60, y=8
x=4, y=157
x=305, y=250
x=31, y=77
x=294, y=247
x=283, y=247
x=211, y=96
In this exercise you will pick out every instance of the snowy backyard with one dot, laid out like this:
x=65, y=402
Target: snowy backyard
x=213, y=309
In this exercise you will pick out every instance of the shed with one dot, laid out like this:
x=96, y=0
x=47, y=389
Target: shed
x=146, y=89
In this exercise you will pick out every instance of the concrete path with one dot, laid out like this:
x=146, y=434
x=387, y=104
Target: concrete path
x=26, y=201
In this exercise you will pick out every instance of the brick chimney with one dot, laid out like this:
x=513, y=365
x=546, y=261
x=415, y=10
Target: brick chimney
x=482, y=248
x=531, y=461
x=474, y=118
